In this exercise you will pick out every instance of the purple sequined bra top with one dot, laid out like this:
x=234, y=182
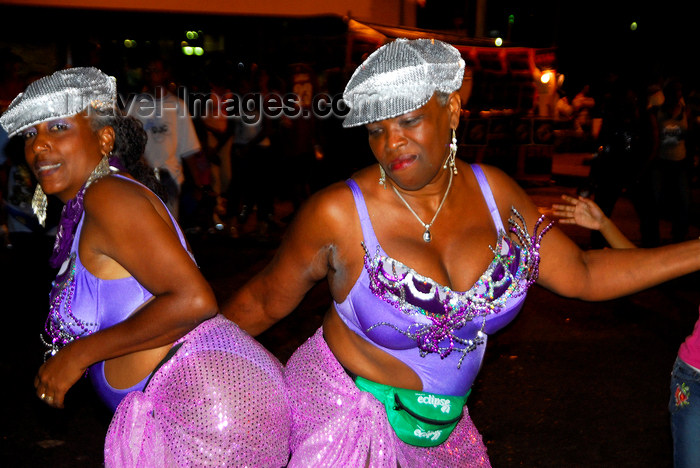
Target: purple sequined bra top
x=81, y=304
x=440, y=333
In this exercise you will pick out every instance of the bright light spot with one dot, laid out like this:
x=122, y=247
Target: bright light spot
x=223, y=422
x=511, y=19
x=192, y=35
x=184, y=44
x=198, y=51
x=129, y=43
x=499, y=42
x=633, y=26
x=546, y=77
x=187, y=50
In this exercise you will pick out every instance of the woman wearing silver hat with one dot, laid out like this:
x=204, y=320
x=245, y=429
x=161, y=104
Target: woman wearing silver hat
x=425, y=256
x=129, y=305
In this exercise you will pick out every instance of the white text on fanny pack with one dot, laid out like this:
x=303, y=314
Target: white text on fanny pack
x=427, y=434
x=435, y=402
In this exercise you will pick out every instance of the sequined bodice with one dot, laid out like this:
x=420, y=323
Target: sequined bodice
x=434, y=316
x=438, y=332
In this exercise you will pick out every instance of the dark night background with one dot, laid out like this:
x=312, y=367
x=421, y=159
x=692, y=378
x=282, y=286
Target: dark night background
x=592, y=38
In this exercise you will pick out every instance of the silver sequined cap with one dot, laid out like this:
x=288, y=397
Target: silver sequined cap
x=400, y=77
x=61, y=94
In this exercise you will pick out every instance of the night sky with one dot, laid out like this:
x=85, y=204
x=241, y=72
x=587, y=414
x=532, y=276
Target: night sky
x=591, y=38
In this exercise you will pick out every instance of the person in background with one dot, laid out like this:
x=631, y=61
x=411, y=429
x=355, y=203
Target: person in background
x=172, y=139
x=623, y=152
x=671, y=168
x=129, y=306
x=685, y=375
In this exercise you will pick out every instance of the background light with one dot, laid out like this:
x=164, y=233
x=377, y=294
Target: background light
x=498, y=42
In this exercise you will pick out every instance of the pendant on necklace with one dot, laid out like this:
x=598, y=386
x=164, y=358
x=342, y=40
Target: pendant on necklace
x=426, y=236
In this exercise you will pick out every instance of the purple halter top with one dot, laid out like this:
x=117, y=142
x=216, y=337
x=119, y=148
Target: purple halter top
x=82, y=303
x=440, y=333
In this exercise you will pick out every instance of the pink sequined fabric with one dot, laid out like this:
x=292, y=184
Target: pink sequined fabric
x=335, y=424
x=219, y=401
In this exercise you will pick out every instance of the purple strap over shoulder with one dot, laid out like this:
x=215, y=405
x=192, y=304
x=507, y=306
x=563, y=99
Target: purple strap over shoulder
x=370, y=238
x=488, y=196
x=368, y=234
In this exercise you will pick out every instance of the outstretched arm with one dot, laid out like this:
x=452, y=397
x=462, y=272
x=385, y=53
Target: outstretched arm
x=595, y=275
x=586, y=213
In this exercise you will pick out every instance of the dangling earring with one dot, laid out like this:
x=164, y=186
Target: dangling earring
x=382, y=176
x=450, y=161
x=39, y=204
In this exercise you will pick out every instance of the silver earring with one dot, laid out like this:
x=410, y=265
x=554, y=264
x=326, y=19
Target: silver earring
x=39, y=204
x=382, y=176
x=450, y=161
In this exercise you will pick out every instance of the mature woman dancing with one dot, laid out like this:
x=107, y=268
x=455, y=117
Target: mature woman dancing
x=421, y=268
x=129, y=305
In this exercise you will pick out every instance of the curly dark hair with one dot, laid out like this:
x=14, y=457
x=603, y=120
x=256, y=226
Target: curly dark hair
x=129, y=144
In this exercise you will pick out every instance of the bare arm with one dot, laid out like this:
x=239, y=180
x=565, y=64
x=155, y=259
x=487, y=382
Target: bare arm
x=595, y=275
x=306, y=255
x=586, y=213
x=123, y=229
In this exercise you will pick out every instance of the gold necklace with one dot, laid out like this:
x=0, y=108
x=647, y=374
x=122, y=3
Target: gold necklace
x=427, y=237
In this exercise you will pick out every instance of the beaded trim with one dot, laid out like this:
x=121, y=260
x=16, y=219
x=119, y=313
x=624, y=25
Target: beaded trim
x=390, y=280
x=61, y=327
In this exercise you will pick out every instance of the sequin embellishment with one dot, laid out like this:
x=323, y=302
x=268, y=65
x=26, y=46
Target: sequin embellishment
x=61, y=325
x=514, y=269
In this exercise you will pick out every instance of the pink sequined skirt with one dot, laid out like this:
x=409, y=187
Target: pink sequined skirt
x=335, y=424
x=219, y=401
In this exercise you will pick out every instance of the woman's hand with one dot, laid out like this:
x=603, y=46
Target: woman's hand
x=580, y=211
x=57, y=375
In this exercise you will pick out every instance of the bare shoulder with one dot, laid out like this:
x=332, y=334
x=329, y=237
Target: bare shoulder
x=111, y=197
x=326, y=209
x=505, y=189
x=499, y=181
x=509, y=194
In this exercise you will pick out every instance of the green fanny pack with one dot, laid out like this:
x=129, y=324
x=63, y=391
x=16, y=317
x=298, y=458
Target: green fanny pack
x=418, y=418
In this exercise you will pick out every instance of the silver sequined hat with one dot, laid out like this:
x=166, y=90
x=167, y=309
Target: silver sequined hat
x=61, y=94
x=400, y=77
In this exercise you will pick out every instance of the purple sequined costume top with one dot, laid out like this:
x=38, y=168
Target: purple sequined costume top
x=434, y=330
x=82, y=304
